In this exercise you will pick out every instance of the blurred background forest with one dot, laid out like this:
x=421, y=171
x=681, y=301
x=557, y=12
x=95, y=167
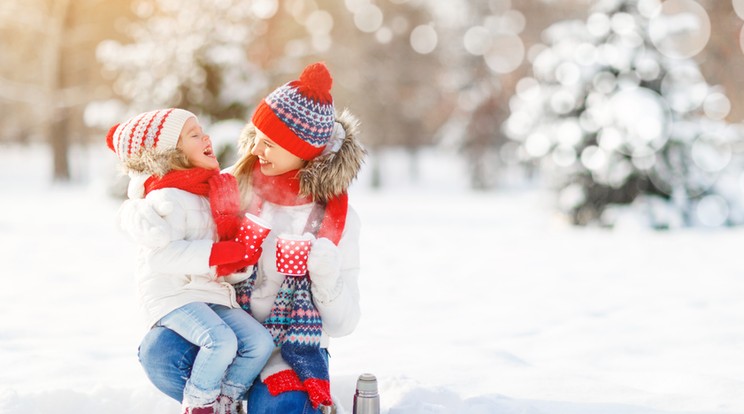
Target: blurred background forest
x=609, y=102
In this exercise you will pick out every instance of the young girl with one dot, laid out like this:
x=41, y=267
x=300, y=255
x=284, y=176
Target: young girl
x=298, y=161
x=172, y=163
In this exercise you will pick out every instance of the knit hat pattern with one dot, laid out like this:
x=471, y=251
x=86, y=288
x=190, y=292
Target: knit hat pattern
x=154, y=130
x=299, y=115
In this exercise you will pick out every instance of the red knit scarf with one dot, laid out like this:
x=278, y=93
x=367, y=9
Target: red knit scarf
x=193, y=180
x=284, y=190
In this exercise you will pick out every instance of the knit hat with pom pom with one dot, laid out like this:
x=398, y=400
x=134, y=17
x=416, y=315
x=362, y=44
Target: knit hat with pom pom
x=149, y=131
x=299, y=115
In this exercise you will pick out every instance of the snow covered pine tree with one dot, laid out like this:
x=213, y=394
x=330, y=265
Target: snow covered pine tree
x=627, y=130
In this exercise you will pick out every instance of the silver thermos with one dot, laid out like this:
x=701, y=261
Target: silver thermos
x=366, y=398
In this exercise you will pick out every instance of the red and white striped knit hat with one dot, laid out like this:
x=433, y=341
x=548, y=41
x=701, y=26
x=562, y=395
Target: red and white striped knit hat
x=155, y=130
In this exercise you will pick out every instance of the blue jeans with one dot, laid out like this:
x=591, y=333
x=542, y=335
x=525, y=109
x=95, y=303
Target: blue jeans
x=167, y=359
x=234, y=347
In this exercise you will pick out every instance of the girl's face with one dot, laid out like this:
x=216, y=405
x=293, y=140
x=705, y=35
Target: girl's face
x=197, y=146
x=274, y=160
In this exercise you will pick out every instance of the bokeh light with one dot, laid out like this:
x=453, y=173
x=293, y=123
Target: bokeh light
x=319, y=22
x=569, y=132
x=588, y=122
x=649, y=8
x=741, y=39
x=571, y=197
x=424, y=39
x=355, y=6
x=642, y=116
x=604, y=82
x=477, y=40
x=568, y=74
x=598, y=25
x=684, y=88
x=506, y=53
x=647, y=67
x=709, y=154
x=712, y=210
x=619, y=173
x=717, y=106
x=594, y=158
x=738, y=8
x=562, y=102
x=528, y=88
x=513, y=21
x=264, y=9
x=564, y=156
x=643, y=159
x=368, y=18
x=384, y=35
x=622, y=23
x=680, y=29
x=143, y=9
x=537, y=145
x=610, y=139
x=585, y=54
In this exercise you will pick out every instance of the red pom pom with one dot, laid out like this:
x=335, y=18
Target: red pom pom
x=110, y=137
x=315, y=81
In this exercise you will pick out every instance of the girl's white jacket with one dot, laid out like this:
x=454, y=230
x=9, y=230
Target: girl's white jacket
x=172, y=265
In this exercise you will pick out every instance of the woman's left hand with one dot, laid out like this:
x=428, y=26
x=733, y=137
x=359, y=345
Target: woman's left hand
x=324, y=264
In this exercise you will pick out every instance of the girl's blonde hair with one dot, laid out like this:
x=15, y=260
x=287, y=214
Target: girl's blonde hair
x=158, y=163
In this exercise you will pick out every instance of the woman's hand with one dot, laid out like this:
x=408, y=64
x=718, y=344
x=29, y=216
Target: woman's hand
x=324, y=267
x=143, y=220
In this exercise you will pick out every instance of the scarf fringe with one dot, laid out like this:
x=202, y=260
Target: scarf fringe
x=318, y=390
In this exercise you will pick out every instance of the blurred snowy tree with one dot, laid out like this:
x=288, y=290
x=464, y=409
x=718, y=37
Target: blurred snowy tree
x=482, y=53
x=188, y=54
x=48, y=73
x=387, y=64
x=618, y=113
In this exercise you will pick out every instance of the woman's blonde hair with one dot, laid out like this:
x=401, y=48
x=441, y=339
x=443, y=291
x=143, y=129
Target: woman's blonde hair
x=244, y=166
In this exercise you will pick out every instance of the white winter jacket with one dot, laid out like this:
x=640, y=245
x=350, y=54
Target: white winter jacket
x=173, y=260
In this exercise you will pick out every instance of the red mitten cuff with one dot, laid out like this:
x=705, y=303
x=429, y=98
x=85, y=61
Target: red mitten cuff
x=230, y=268
x=226, y=252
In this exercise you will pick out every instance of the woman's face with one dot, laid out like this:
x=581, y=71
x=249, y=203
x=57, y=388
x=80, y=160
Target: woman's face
x=274, y=160
x=197, y=146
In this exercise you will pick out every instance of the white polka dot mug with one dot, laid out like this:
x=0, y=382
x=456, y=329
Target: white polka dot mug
x=253, y=230
x=291, y=254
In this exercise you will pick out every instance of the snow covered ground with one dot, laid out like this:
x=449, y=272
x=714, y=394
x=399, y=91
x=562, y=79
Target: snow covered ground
x=472, y=303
